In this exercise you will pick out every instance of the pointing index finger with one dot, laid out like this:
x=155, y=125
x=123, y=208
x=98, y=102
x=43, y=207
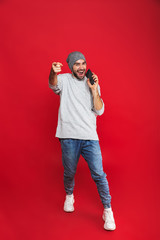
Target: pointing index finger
x=58, y=63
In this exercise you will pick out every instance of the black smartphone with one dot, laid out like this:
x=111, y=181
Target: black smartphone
x=89, y=75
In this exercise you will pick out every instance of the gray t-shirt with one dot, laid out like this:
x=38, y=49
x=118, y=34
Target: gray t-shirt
x=77, y=116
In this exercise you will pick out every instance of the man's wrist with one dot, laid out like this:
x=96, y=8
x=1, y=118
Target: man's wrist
x=95, y=92
x=52, y=72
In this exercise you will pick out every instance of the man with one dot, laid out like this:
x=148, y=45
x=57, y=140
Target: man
x=80, y=103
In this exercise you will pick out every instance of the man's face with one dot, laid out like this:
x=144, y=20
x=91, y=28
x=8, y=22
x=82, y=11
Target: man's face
x=79, y=69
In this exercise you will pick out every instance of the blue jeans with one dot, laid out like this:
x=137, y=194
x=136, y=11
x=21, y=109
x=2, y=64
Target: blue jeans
x=91, y=152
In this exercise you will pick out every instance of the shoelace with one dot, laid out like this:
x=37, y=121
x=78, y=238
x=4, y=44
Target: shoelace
x=108, y=216
x=69, y=201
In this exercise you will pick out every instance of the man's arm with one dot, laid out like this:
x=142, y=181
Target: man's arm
x=97, y=101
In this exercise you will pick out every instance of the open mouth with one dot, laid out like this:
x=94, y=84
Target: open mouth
x=80, y=73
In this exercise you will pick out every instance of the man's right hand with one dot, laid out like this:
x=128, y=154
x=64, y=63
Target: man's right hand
x=56, y=67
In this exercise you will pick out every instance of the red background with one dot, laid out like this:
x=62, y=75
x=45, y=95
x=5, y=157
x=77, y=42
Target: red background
x=120, y=40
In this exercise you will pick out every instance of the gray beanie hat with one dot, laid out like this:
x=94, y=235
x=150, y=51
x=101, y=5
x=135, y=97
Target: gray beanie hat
x=73, y=57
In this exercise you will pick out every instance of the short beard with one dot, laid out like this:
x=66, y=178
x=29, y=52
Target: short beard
x=77, y=76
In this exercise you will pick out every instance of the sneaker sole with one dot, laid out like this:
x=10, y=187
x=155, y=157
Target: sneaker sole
x=110, y=229
x=69, y=211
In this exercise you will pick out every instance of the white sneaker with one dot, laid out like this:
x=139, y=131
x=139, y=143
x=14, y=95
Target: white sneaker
x=68, y=204
x=109, y=219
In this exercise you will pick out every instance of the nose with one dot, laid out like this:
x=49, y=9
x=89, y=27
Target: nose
x=81, y=67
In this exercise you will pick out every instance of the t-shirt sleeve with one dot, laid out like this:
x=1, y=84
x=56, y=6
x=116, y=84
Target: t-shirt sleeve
x=57, y=88
x=101, y=111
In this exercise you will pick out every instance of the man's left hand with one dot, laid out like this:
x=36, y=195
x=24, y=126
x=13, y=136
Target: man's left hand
x=94, y=86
